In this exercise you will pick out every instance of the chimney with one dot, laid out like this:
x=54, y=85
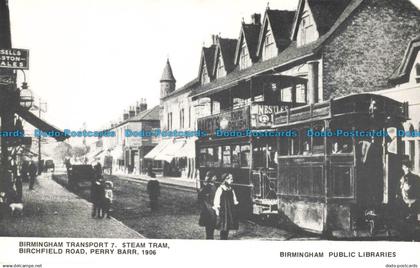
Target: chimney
x=143, y=105
x=125, y=115
x=131, y=112
x=214, y=39
x=256, y=19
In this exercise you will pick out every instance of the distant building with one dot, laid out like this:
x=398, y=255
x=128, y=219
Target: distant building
x=177, y=113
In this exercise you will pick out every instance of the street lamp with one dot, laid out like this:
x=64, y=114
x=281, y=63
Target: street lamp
x=26, y=98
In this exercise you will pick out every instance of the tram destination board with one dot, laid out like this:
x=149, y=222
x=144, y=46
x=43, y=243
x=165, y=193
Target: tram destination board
x=14, y=58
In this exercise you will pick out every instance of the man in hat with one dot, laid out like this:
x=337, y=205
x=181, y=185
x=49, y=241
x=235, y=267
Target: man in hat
x=410, y=188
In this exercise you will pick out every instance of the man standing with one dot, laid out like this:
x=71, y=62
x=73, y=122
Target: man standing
x=33, y=170
x=153, y=189
x=410, y=187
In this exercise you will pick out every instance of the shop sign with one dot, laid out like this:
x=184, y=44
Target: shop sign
x=263, y=115
x=237, y=119
x=14, y=58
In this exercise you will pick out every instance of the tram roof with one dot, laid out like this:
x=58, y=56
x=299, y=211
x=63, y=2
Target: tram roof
x=376, y=106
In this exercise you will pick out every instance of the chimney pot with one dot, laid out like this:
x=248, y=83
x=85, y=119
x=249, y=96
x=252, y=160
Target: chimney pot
x=256, y=18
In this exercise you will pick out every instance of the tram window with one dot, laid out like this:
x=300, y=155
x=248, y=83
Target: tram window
x=259, y=156
x=283, y=150
x=271, y=154
x=341, y=145
x=226, y=156
x=245, y=155
x=306, y=142
x=256, y=183
x=317, y=181
x=341, y=184
x=294, y=145
x=318, y=142
x=203, y=154
x=236, y=156
x=210, y=154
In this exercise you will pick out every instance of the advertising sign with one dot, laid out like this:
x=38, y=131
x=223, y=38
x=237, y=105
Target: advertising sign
x=14, y=58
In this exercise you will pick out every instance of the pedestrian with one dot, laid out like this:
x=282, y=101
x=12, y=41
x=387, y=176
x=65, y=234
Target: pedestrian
x=32, y=170
x=208, y=218
x=108, y=198
x=24, y=170
x=97, y=195
x=410, y=190
x=98, y=170
x=153, y=189
x=224, y=204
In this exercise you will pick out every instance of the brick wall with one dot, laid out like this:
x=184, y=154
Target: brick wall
x=368, y=47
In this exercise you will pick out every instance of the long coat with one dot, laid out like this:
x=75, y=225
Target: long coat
x=208, y=216
x=225, y=200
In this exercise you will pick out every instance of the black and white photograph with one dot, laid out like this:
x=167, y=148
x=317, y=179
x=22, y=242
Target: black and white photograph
x=145, y=129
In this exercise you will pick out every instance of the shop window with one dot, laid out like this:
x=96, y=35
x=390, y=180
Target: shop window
x=236, y=152
x=245, y=156
x=227, y=158
x=341, y=181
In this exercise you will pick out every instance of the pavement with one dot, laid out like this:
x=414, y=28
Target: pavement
x=52, y=211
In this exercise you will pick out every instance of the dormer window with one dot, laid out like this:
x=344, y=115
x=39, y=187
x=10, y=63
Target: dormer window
x=269, y=49
x=204, y=75
x=244, y=60
x=307, y=32
x=220, y=72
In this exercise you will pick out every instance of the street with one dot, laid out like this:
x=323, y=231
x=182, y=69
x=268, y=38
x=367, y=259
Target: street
x=177, y=217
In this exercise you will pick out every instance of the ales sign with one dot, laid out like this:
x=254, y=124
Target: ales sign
x=14, y=58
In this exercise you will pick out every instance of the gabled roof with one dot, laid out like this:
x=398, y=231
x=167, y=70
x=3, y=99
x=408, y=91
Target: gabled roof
x=185, y=88
x=402, y=73
x=167, y=74
x=280, y=22
x=226, y=47
x=249, y=34
x=324, y=12
x=207, y=57
x=290, y=55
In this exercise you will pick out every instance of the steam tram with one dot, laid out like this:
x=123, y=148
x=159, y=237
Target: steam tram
x=336, y=164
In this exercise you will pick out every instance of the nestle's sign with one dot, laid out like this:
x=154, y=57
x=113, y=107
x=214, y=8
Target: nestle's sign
x=14, y=58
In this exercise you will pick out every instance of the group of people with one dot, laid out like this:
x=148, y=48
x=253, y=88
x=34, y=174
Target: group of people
x=101, y=194
x=218, y=206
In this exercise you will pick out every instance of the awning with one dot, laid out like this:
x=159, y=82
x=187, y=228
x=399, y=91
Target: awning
x=157, y=149
x=188, y=150
x=168, y=153
x=40, y=124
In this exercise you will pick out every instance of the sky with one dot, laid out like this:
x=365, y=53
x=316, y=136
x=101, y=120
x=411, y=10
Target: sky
x=92, y=59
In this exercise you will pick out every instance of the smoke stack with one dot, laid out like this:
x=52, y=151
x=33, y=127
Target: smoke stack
x=125, y=115
x=256, y=19
x=143, y=105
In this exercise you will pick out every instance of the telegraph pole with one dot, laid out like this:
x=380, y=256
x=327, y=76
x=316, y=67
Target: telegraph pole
x=40, y=110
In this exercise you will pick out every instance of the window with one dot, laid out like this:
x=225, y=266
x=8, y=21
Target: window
x=245, y=155
x=169, y=123
x=341, y=181
x=181, y=118
x=286, y=94
x=189, y=117
x=227, y=158
x=269, y=49
x=307, y=32
x=244, y=60
x=318, y=142
x=220, y=67
x=236, y=154
x=300, y=93
x=418, y=73
x=204, y=75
